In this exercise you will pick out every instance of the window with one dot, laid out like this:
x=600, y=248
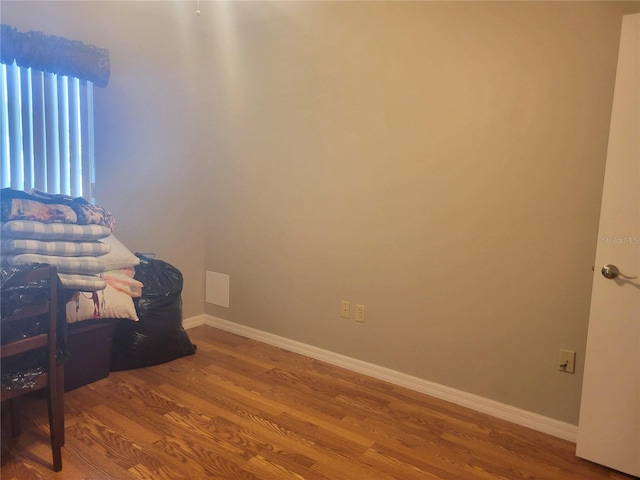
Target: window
x=46, y=112
x=47, y=132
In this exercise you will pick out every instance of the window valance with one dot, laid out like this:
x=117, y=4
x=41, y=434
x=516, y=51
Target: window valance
x=54, y=54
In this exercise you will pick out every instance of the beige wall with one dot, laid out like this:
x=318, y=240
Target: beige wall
x=440, y=163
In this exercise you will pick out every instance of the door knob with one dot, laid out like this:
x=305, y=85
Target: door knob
x=611, y=271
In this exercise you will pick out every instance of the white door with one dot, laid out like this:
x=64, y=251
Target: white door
x=609, y=429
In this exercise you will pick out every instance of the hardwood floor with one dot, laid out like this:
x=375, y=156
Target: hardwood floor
x=239, y=409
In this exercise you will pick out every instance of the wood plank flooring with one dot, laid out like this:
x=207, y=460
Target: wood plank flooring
x=240, y=409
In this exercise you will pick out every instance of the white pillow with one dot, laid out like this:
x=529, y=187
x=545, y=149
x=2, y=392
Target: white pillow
x=119, y=256
x=109, y=303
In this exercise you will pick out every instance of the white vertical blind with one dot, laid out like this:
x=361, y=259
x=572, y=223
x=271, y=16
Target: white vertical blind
x=5, y=175
x=15, y=160
x=47, y=132
x=27, y=129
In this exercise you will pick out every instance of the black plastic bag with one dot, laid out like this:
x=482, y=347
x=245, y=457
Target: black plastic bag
x=158, y=336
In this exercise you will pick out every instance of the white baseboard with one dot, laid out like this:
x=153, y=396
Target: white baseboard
x=518, y=416
x=193, y=321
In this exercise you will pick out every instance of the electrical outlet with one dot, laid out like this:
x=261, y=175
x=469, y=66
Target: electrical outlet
x=360, y=313
x=567, y=361
x=345, y=309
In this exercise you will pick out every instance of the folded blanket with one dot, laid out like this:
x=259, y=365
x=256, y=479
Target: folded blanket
x=14, y=246
x=22, y=209
x=47, y=207
x=83, y=283
x=27, y=229
x=77, y=265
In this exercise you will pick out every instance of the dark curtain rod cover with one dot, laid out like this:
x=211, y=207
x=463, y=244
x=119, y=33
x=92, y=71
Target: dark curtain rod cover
x=54, y=55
